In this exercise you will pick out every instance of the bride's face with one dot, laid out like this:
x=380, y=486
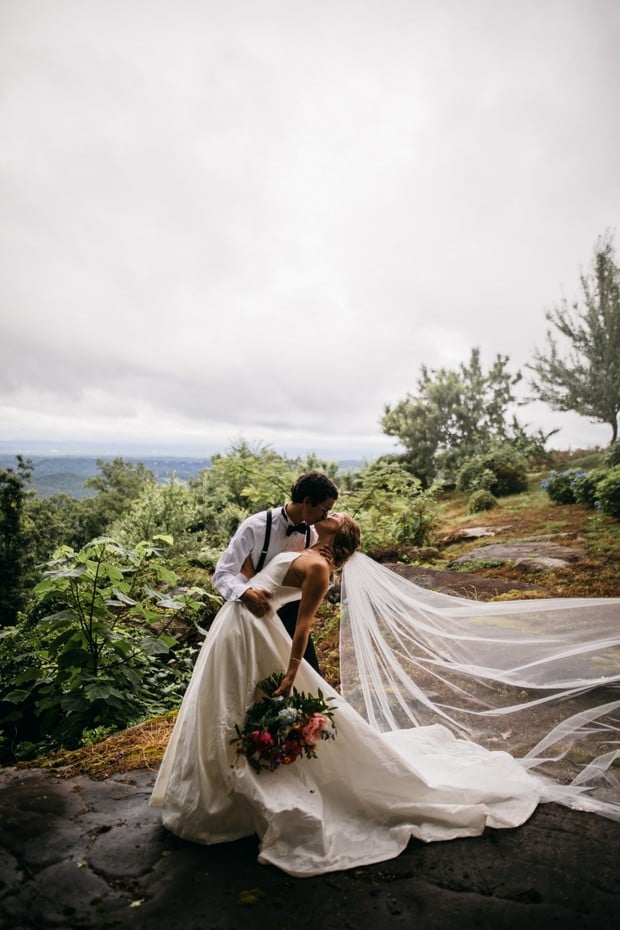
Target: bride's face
x=332, y=522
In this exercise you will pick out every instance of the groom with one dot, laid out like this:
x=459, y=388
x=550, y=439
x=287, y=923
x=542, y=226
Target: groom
x=263, y=535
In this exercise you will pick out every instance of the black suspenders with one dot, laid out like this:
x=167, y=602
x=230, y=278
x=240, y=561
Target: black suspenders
x=263, y=553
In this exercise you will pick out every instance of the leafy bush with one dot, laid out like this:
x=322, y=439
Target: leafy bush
x=481, y=500
x=585, y=488
x=118, y=484
x=608, y=492
x=472, y=478
x=242, y=482
x=391, y=506
x=99, y=651
x=612, y=455
x=560, y=485
x=168, y=509
x=207, y=558
x=502, y=470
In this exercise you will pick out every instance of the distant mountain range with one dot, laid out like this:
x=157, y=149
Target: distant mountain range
x=66, y=474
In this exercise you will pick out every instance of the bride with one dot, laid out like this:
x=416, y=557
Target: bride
x=427, y=672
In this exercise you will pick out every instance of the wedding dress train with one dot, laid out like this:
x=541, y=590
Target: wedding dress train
x=372, y=788
x=537, y=677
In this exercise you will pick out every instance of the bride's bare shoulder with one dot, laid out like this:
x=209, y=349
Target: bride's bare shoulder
x=308, y=563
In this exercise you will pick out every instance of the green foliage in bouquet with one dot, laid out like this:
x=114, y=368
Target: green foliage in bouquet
x=279, y=731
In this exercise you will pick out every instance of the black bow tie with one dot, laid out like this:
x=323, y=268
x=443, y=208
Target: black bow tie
x=299, y=528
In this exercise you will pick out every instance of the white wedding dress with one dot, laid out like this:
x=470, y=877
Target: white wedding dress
x=359, y=802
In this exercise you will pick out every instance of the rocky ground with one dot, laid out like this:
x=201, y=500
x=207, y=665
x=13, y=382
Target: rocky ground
x=79, y=853
x=89, y=854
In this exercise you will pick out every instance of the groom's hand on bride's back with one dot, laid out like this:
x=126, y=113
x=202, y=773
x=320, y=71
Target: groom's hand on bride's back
x=257, y=600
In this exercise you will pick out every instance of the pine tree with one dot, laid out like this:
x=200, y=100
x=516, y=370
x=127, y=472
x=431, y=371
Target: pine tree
x=14, y=550
x=587, y=379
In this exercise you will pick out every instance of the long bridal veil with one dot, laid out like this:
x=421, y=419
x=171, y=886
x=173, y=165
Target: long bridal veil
x=538, y=678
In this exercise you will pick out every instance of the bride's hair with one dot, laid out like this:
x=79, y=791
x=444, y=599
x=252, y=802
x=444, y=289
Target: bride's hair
x=346, y=540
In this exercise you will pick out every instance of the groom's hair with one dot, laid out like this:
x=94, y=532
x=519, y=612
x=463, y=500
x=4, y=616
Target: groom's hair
x=315, y=485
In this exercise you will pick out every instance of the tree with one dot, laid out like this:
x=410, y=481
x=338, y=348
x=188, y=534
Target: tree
x=313, y=462
x=243, y=481
x=391, y=507
x=457, y=414
x=51, y=522
x=14, y=550
x=118, y=484
x=587, y=380
x=168, y=509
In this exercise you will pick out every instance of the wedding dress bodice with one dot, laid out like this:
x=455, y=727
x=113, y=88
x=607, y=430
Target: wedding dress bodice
x=359, y=801
x=271, y=576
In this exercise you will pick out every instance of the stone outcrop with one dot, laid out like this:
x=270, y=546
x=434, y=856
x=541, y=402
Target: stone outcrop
x=76, y=853
x=461, y=584
x=533, y=555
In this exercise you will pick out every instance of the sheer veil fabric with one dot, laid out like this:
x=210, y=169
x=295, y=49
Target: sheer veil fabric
x=364, y=796
x=537, y=678
x=443, y=687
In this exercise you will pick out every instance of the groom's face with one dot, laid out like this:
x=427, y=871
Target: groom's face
x=314, y=513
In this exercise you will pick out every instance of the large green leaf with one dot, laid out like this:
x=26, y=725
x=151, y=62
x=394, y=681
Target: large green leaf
x=17, y=696
x=101, y=691
x=153, y=646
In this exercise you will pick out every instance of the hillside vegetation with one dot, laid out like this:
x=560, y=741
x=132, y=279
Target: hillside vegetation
x=522, y=517
x=532, y=516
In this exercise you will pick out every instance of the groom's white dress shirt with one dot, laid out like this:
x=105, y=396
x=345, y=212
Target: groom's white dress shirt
x=249, y=539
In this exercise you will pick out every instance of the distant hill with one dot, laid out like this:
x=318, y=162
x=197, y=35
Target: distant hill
x=66, y=474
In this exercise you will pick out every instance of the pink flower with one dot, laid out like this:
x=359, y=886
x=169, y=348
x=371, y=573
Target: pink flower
x=262, y=740
x=311, y=731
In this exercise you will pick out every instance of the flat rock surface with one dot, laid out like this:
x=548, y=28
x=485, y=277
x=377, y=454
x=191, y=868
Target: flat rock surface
x=77, y=853
x=461, y=584
x=545, y=554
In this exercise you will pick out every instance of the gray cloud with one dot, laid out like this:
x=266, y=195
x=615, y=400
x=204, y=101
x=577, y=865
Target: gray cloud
x=261, y=219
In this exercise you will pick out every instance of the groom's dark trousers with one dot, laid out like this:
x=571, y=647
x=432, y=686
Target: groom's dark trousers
x=288, y=616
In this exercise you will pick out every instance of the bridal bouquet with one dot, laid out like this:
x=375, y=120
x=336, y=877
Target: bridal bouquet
x=278, y=731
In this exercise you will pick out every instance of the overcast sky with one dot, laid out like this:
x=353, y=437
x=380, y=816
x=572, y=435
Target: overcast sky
x=225, y=219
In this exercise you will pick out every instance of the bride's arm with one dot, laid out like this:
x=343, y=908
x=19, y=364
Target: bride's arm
x=314, y=585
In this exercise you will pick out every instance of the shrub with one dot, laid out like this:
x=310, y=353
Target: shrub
x=501, y=471
x=100, y=652
x=160, y=510
x=560, y=485
x=472, y=477
x=585, y=489
x=391, y=507
x=612, y=455
x=608, y=492
x=481, y=500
